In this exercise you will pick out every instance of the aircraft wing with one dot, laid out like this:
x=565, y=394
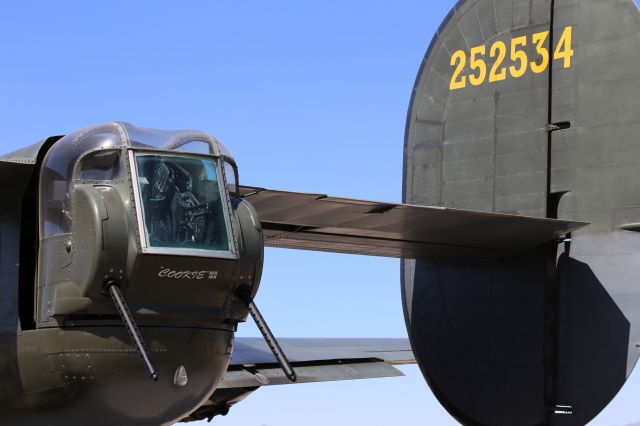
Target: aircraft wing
x=319, y=222
x=316, y=360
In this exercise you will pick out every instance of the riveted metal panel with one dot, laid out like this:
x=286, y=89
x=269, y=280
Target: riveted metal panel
x=597, y=161
x=464, y=147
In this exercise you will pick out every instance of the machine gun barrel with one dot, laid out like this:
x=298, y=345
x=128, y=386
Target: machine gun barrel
x=269, y=338
x=116, y=295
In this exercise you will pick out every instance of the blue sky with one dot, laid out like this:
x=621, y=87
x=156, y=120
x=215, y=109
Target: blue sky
x=309, y=96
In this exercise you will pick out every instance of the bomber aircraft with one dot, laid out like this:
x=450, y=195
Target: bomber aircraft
x=144, y=253
x=128, y=256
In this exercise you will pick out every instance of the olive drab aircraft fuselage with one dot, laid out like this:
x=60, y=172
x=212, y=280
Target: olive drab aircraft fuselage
x=111, y=207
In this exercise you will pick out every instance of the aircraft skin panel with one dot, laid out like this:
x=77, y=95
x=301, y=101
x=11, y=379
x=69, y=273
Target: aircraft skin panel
x=9, y=169
x=600, y=150
x=26, y=155
x=337, y=371
x=23, y=159
x=300, y=350
x=317, y=222
x=13, y=186
x=316, y=360
x=483, y=146
x=596, y=161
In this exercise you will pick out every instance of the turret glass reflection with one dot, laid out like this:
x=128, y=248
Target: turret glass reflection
x=181, y=202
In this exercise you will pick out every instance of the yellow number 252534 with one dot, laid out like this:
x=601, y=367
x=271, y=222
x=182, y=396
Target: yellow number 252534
x=517, y=64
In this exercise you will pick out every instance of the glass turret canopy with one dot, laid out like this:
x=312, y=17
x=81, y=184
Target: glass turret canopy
x=177, y=179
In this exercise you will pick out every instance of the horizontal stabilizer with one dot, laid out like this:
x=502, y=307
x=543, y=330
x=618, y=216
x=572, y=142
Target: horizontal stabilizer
x=316, y=360
x=250, y=350
x=319, y=222
x=273, y=375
